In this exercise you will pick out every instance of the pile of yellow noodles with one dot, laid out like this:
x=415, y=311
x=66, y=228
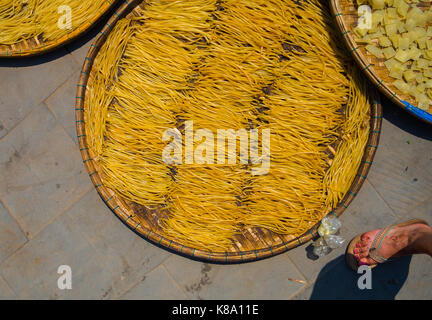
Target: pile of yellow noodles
x=25, y=19
x=228, y=64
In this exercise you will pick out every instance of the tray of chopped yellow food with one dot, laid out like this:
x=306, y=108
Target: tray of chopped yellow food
x=225, y=130
x=31, y=27
x=392, y=42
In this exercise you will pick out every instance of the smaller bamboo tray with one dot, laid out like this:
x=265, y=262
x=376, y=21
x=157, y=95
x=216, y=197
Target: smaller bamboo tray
x=37, y=45
x=345, y=12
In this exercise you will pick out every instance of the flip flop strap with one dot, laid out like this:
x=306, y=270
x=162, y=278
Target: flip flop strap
x=374, y=250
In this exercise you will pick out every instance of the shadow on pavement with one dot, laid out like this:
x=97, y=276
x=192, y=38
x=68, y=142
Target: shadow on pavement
x=405, y=121
x=35, y=60
x=338, y=282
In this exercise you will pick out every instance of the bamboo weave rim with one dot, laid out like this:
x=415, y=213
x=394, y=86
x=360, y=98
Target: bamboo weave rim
x=346, y=17
x=146, y=226
x=37, y=45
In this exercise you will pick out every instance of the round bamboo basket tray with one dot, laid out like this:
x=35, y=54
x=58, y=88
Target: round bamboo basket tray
x=37, y=45
x=345, y=12
x=256, y=243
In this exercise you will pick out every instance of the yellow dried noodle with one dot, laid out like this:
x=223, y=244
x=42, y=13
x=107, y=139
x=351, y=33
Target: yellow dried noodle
x=25, y=19
x=228, y=64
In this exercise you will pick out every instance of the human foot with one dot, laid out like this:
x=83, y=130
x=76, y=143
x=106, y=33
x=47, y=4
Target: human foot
x=378, y=245
x=397, y=242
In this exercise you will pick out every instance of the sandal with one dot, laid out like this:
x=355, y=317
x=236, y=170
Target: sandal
x=376, y=244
